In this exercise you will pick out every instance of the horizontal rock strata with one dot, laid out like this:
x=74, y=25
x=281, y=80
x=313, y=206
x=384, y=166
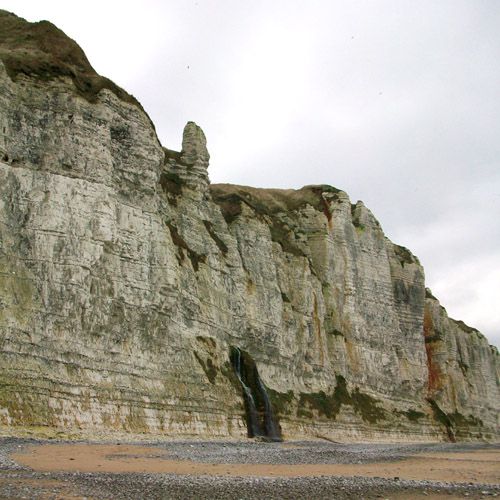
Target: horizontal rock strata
x=126, y=279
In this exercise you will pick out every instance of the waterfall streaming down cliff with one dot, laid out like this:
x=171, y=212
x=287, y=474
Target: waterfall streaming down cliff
x=254, y=428
x=271, y=427
x=261, y=421
x=109, y=238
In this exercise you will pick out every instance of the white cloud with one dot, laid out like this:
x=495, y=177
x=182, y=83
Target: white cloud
x=471, y=289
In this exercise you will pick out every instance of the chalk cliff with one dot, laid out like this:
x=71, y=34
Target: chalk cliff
x=126, y=281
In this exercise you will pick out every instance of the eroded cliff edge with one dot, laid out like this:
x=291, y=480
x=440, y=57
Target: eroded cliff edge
x=126, y=278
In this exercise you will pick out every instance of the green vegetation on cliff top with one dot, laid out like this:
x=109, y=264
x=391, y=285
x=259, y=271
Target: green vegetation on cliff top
x=43, y=51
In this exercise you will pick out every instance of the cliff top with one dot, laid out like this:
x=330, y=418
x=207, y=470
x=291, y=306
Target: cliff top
x=43, y=51
x=269, y=201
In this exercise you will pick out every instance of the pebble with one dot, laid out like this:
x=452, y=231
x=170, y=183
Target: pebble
x=171, y=486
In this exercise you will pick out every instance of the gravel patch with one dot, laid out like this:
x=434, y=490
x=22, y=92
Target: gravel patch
x=303, y=452
x=20, y=482
x=171, y=487
x=11, y=445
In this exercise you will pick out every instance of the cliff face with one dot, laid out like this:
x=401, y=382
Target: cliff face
x=126, y=279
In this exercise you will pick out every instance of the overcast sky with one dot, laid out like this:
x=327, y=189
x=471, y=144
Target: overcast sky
x=396, y=102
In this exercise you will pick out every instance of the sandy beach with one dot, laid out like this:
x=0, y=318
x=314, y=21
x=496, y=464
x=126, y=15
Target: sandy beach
x=208, y=469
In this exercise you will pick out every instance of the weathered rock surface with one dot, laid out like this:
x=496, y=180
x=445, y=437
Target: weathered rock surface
x=125, y=278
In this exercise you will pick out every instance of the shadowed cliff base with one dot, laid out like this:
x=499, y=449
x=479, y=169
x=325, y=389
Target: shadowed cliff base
x=125, y=278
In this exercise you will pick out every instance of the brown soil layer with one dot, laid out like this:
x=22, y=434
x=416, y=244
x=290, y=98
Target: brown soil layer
x=480, y=466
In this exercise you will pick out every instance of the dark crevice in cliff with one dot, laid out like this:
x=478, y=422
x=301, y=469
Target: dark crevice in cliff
x=83, y=268
x=217, y=240
x=441, y=417
x=355, y=217
x=455, y=423
x=207, y=366
x=182, y=247
x=171, y=155
x=172, y=185
x=260, y=415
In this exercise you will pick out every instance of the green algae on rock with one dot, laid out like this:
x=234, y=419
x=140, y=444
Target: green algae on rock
x=125, y=278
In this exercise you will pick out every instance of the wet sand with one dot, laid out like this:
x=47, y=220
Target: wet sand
x=247, y=470
x=479, y=466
